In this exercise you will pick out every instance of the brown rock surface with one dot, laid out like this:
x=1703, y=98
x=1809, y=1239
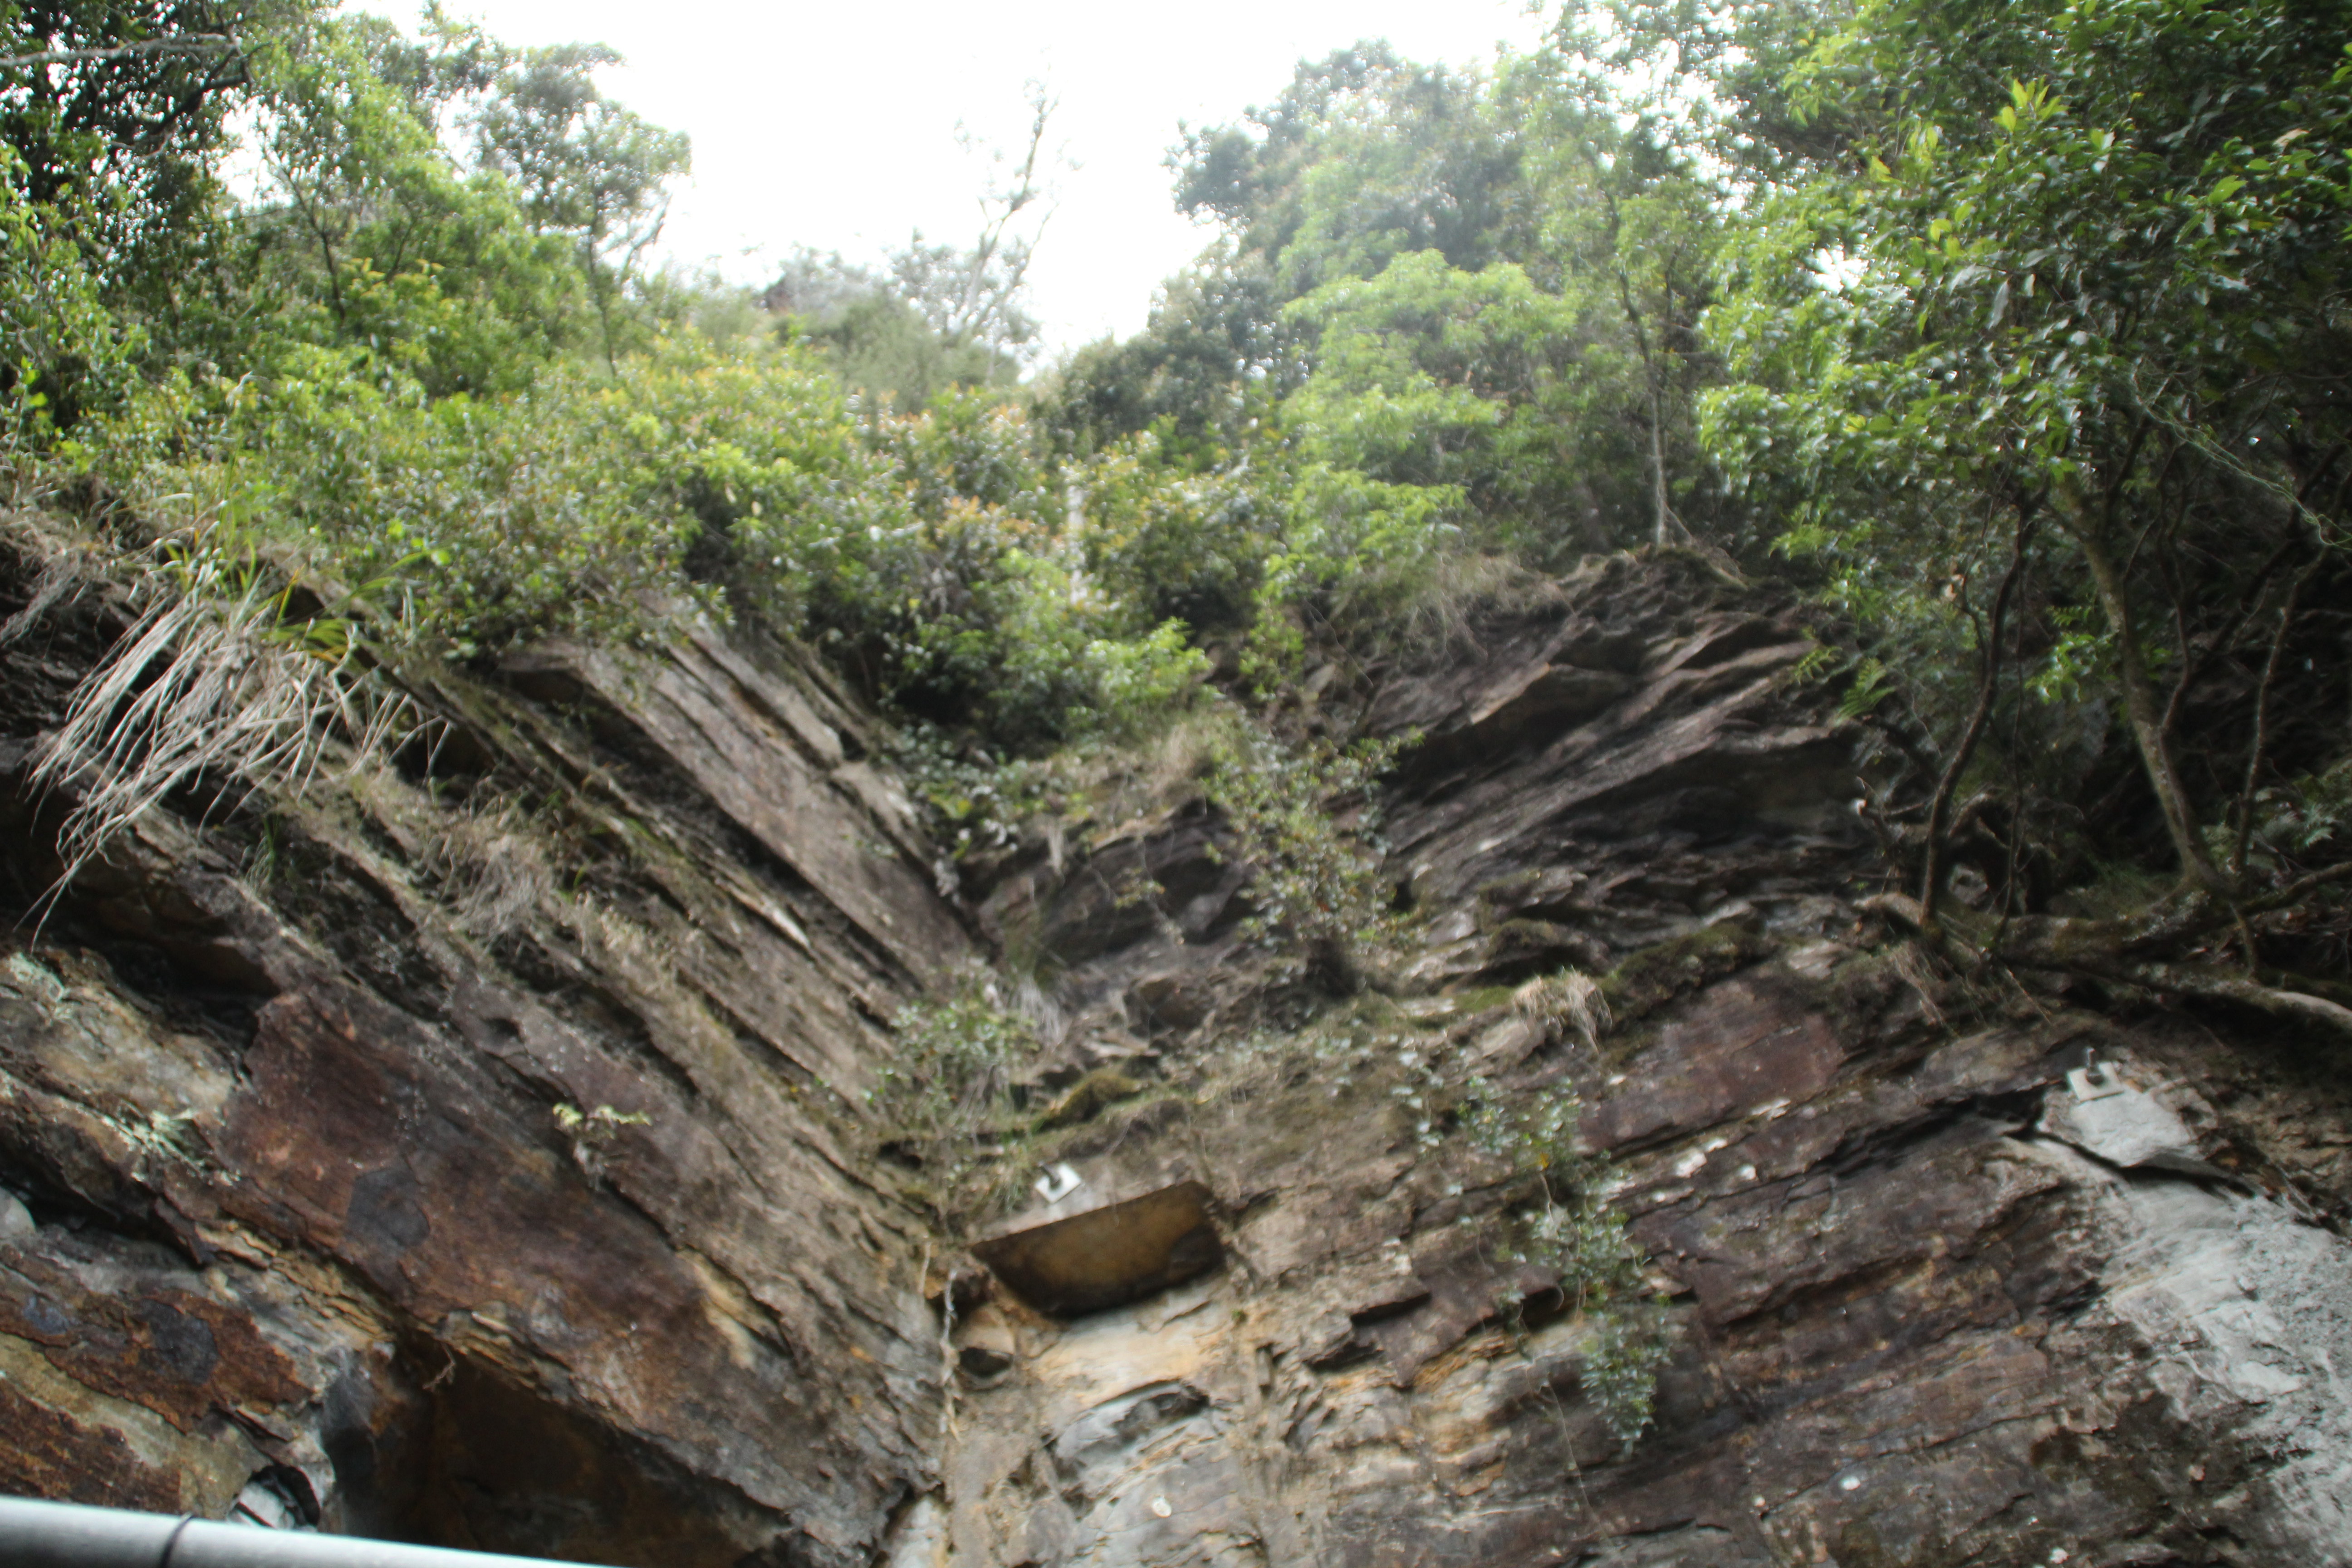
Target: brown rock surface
x=289, y=1217
x=304, y=1216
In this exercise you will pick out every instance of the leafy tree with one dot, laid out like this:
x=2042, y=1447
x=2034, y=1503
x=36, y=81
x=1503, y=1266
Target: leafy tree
x=1486, y=288
x=114, y=114
x=2018, y=330
x=115, y=108
x=375, y=236
x=972, y=298
x=1631, y=229
x=1429, y=162
x=1215, y=355
x=1479, y=386
x=1364, y=157
x=878, y=340
x=942, y=316
x=585, y=167
x=1171, y=543
x=2037, y=350
x=62, y=351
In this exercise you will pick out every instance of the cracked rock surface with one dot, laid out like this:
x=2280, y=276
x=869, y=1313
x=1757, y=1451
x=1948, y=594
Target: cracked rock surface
x=291, y=1227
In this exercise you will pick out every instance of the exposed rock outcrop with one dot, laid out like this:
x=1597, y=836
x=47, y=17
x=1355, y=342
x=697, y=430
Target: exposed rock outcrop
x=282, y=1115
x=1951, y=1273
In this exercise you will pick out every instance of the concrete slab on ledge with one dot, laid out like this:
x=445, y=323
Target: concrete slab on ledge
x=1069, y=1260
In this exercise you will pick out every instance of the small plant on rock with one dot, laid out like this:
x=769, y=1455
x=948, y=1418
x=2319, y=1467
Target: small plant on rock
x=591, y=1133
x=947, y=1084
x=1569, y=1231
x=1620, y=1370
x=1317, y=884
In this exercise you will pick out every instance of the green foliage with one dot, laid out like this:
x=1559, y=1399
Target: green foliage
x=1171, y=543
x=2046, y=288
x=1202, y=377
x=599, y=1123
x=2303, y=816
x=1532, y=1135
x=569, y=507
x=1473, y=389
x=1365, y=156
x=881, y=344
x=946, y=1083
x=386, y=378
x=975, y=803
x=1621, y=1373
x=2018, y=334
x=126, y=140
x=927, y=551
x=63, y=352
x=1450, y=310
x=1315, y=881
x=373, y=236
x=583, y=166
x=1571, y=1233
x=951, y=582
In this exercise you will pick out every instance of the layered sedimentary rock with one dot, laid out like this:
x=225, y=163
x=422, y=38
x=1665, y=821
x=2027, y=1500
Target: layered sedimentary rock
x=294, y=1216
x=1951, y=1272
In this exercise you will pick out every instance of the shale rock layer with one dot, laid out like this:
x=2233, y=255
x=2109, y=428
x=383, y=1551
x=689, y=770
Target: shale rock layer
x=479, y=1151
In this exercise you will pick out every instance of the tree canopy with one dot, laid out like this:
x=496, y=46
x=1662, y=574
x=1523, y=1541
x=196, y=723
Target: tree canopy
x=2013, y=336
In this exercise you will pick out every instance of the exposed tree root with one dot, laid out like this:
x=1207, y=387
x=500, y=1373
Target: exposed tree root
x=2138, y=950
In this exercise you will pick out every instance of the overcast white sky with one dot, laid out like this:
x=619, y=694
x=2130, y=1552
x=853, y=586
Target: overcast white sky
x=835, y=126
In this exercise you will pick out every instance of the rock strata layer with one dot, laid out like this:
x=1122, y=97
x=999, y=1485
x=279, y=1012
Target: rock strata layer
x=293, y=1228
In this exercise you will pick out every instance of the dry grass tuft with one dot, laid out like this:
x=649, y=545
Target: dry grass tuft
x=68, y=567
x=1435, y=613
x=1571, y=1000
x=212, y=680
x=492, y=871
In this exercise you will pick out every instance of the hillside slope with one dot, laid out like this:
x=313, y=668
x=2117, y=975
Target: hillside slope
x=1941, y=1271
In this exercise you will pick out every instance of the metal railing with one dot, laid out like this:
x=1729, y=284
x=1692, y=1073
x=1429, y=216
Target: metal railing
x=68, y=1535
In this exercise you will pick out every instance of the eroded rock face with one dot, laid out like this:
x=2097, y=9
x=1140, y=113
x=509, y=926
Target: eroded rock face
x=1919, y=1314
x=296, y=1209
x=1947, y=1280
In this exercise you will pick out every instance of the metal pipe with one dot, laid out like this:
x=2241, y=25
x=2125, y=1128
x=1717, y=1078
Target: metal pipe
x=36, y=1534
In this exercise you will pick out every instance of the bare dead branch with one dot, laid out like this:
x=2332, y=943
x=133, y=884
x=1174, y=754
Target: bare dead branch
x=2215, y=984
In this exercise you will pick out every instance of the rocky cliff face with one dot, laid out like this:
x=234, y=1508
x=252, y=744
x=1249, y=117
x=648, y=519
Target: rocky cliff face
x=1952, y=1271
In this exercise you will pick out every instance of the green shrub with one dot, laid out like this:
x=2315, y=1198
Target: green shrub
x=62, y=352
x=1173, y=545
x=926, y=551
x=944, y=1091
x=1315, y=882
x=1569, y=1230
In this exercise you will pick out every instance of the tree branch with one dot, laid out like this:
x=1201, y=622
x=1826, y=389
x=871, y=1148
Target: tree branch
x=2098, y=950
x=185, y=43
x=1931, y=883
x=2220, y=985
x=2263, y=720
x=2194, y=670
x=2140, y=705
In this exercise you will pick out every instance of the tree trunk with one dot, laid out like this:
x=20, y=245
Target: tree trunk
x=2140, y=706
x=1931, y=878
